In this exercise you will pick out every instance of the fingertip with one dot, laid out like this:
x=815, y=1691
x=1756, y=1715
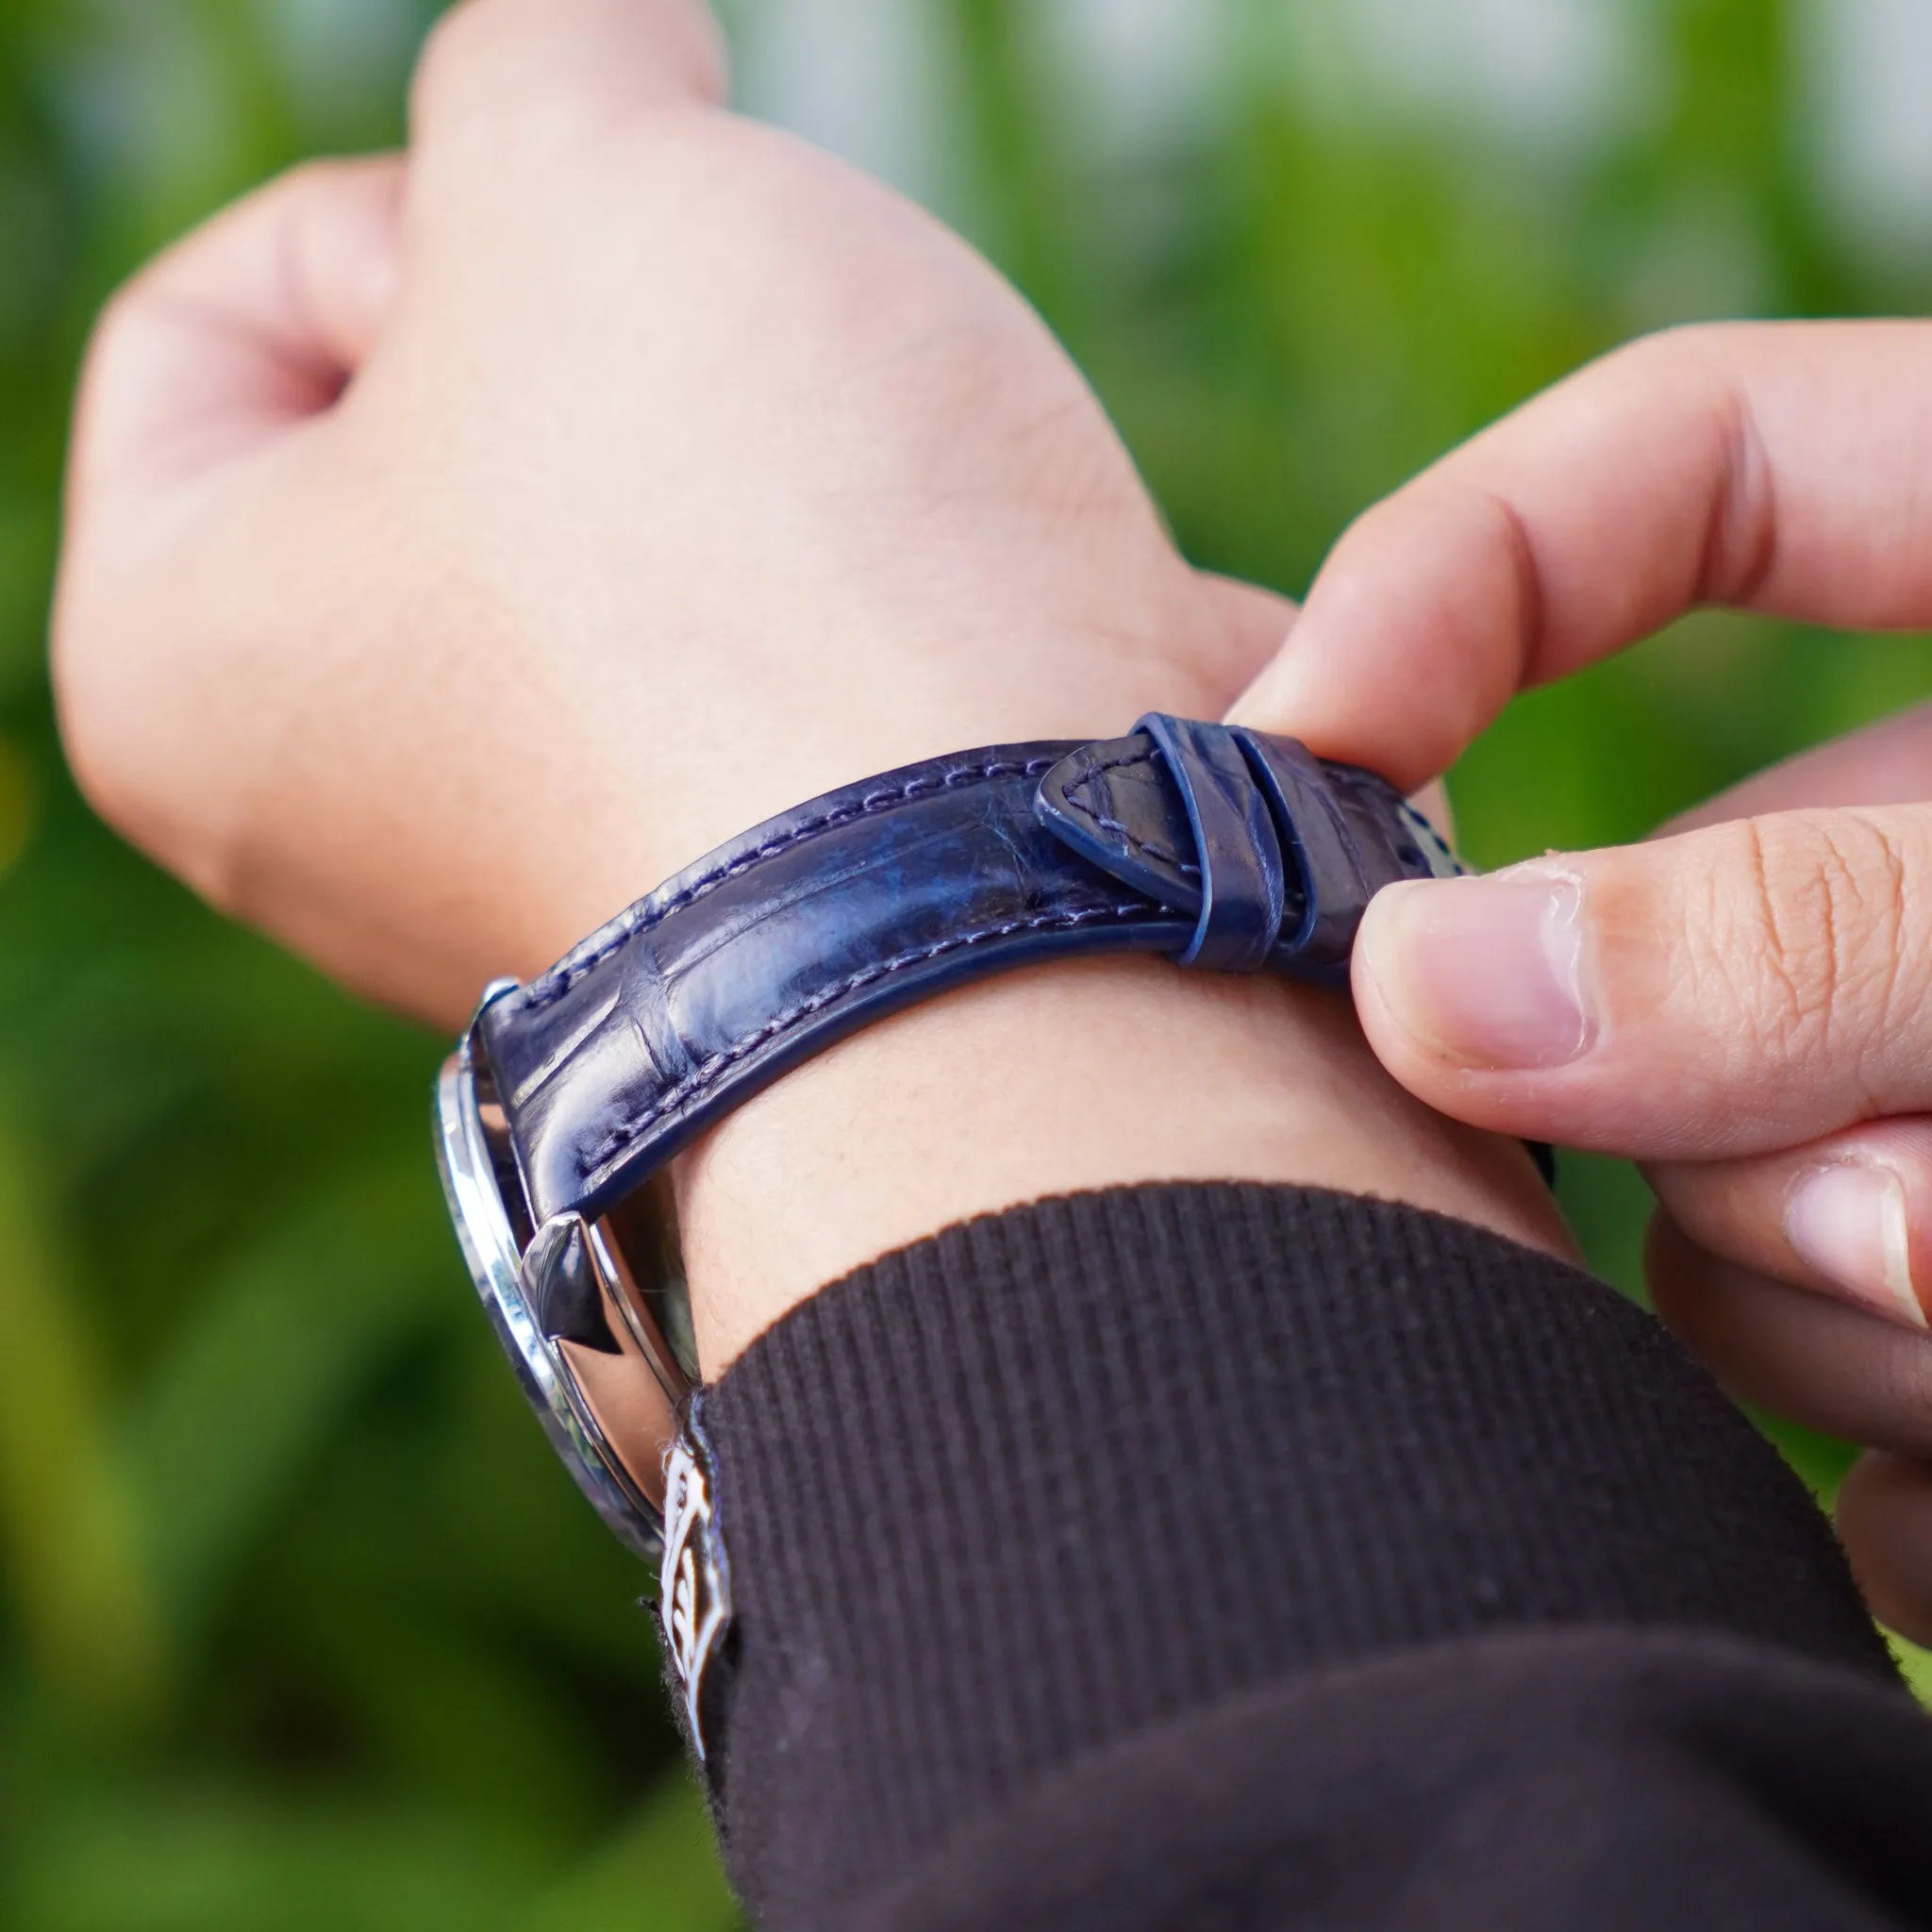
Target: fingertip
x=1848, y=1221
x=1813, y=1358
x=1392, y=1017
x=1485, y=975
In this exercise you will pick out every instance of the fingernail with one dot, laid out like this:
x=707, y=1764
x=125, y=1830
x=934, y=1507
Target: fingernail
x=1848, y=1222
x=1488, y=972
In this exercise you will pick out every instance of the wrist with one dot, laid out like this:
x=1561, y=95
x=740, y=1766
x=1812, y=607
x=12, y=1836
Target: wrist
x=1148, y=634
x=919, y=998
x=1077, y=1076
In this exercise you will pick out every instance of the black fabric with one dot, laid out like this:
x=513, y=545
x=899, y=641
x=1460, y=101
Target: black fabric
x=1224, y=1556
x=1587, y=1782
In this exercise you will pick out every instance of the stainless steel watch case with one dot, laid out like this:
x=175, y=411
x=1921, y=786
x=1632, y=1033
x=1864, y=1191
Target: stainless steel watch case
x=603, y=1356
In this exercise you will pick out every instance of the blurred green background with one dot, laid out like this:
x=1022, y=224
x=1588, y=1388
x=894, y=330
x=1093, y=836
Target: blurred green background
x=300, y=1624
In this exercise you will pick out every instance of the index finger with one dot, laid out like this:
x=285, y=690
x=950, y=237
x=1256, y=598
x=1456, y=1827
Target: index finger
x=1783, y=467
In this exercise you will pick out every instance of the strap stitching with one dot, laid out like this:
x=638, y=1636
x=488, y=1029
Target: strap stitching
x=707, y=1071
x=1132, y=839
x=1418, y=823
x=547, y=990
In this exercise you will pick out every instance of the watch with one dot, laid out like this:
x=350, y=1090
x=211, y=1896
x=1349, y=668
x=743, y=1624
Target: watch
x=1221, y=848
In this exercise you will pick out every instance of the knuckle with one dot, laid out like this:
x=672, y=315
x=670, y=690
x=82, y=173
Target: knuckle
x=702, y=58
x=330, y=180
x=543, y=65
x=443, y=48
x=1663, y=361
x=108, y=336
x=124, y=316
x=112, y=370
x=1683, y=349
x=1808, y=930
x=315, y=176
x=465, y=43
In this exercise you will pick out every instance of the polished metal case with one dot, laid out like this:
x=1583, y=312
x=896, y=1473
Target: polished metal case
x=598, y=1353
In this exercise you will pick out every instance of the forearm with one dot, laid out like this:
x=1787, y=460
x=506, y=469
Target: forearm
x=1045, y=1533
x=1261, y=1556
x=1054, y=1080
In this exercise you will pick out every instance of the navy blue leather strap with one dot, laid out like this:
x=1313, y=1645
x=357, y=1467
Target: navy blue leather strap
x=1243, y=888
x=1207, y=818
x=1219, y=847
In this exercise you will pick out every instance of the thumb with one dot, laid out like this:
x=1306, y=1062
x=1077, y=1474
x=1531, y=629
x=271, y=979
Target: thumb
x=251, y=325
x=1740, y=988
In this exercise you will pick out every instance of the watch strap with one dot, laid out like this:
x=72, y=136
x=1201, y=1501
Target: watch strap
x=1219, y=847
x=1275, y=852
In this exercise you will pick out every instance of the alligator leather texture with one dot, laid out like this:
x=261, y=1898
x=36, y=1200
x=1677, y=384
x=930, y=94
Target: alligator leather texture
x=1221, y=848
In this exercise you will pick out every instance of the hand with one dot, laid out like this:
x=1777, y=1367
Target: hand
x=460, y=543
x=1745, y=1005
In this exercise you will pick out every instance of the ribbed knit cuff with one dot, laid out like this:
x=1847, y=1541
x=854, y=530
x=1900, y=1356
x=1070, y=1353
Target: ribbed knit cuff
x=1003, y=1496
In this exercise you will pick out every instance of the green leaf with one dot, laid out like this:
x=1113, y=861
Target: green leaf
x=1915, y=1663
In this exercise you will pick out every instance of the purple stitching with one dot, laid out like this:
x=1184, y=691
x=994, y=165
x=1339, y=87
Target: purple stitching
x=699, y=1078
x=1187, y=868
x=547, y=990
x=1118, y=764
x=1419, y=824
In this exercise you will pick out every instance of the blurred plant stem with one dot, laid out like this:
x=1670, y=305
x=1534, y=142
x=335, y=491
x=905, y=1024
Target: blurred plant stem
x=66, y=1508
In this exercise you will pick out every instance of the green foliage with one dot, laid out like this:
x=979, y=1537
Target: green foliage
x=301, y=1623
x=1330, y=280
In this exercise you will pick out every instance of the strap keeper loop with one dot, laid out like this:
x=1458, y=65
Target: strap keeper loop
x=1243, y=886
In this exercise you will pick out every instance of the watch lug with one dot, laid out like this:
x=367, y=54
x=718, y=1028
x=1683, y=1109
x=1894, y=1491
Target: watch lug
x=528, y=1287
x=560, y=1281
x=496, y=990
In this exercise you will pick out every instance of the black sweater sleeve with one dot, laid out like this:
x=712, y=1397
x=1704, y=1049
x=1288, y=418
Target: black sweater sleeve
x=1227, y=1556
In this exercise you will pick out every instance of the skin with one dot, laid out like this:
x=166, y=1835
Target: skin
x=1742, y=1003
x=460, y=542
